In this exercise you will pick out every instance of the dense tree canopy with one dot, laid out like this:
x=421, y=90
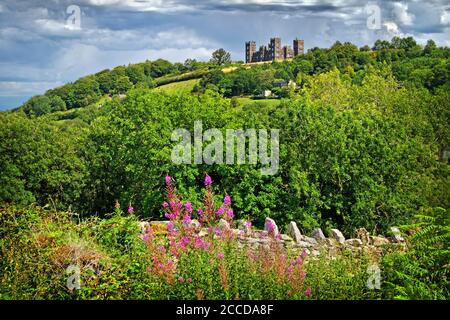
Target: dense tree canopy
x=361, y=137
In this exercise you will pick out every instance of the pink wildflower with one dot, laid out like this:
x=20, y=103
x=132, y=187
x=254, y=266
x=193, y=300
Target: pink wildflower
x=220, y=211
x=227, y=200
x=308, y=292
x=188, y=207
x=208, y=181
x=168, y=179
x=130, y=210
x=304, y=254
x=184, y=242
x=186, y=219
x=220, y=255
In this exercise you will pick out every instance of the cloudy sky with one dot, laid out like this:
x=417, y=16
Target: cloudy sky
x=48, y=43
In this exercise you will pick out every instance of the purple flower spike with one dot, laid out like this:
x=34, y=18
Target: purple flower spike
x=208, y=181
x=227, y=200
x=188, y=207
x=168, y=179
x=220, y=211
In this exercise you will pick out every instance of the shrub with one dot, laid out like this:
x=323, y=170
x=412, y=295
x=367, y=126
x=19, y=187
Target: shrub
x=423, y=271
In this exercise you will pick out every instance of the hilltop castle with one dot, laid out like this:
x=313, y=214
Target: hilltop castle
x=273, y=51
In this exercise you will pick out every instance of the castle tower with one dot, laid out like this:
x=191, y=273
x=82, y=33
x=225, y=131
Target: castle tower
x=276, y=51
x=288, y=53
x=298, y=47
x=250, y=49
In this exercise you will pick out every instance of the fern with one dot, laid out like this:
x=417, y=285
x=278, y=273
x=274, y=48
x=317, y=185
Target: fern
x=423, y=270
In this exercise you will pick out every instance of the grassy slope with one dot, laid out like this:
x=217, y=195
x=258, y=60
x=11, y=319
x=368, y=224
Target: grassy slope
x=182, y=86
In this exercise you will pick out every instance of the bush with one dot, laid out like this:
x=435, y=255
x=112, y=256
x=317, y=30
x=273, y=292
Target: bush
x=423, y=271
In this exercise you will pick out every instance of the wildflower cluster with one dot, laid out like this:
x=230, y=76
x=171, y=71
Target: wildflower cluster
x=200, y=244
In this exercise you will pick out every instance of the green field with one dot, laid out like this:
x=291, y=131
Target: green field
x=243, y=101
x=175, y=87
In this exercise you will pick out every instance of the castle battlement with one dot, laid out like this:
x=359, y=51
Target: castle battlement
x=274, y=51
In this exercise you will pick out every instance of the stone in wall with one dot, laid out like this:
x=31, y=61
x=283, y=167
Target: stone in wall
x=378, y=241
x=336, y=234
x=397, y=237
x=363, y=235
x=318, y=234
x=271, y=227
x=223, y=224
x=294, y=232
x=354, y=242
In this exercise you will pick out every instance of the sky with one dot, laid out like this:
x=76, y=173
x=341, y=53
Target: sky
x=45, y=44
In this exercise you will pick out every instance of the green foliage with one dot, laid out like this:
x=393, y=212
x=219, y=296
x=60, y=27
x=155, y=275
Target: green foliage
x=39, y=161
x=37, y=246
x=220, y=57
x=423, y=271
x=342, y=278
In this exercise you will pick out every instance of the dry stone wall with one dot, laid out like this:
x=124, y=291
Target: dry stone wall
x=315, y=244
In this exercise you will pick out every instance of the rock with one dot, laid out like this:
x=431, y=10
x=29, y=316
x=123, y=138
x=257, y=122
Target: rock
x=336, y=234
x=246, y=226
x=166, y=222
x=363, y=235
x=203, y=232
x=318, y=234
x=294, y=232
x=310, y=240
x=285, y=237
x=144, y=225
x=378, y=241
x=223, y=224
x=354, y=242
x=271, y=227
x=252, y=240
x=195, y=224
x=236, y=232
x=259, y=234
x=304, y=244
x=397, y=237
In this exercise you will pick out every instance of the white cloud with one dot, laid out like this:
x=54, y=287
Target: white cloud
x=391, y=27
x=400, y=11
x=17, y=88
x=445, y=17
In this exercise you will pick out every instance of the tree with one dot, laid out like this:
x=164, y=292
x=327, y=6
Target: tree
x=429, y=47
x=221, y=57
x=121, y=85
x=135, y=73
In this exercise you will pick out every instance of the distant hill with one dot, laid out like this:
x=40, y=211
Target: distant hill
x=410, y=63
